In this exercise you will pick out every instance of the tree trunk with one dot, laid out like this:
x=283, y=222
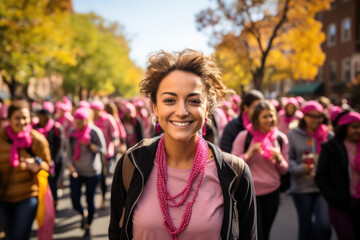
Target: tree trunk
x=12, y=85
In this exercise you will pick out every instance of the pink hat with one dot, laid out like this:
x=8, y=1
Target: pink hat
x=48, y=106
x=274, y=102
x=300, y=100
x=226, y=104
x=311, y=106
x=98, y=105
x=129, y=108
x=67, y=103
x=236, y=98
x=293, y=101
x=139, y=103
x=334, y=112
x=348, y=118
x=84, y=104
x=82, y=113
x=62, y=106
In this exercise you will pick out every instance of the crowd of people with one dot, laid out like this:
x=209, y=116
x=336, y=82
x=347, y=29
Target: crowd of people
x=187, y=152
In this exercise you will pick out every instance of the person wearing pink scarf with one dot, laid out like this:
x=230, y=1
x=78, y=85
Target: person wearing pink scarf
x=86, y=145
x=290, y=116
x=64, y=117
x=267, y=160
x=108, y=126
x=182, y=186
x=23, y=153
x=304, y=148
x=338, y=176
x=54, y=133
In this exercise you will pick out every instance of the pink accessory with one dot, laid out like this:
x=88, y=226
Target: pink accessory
x=157, y=127
x=265, y=139
x=349, y=118
x=20, y=140
x=84, y=104
x=82, y=113
x=311, y=106
x=98, y=105
x=67, y=103
x=300, y=100
x=247, y=124
x=48, y=106
x=62, y=106
x=167, y=200
x=48, y=126
x=320, y=136
x=101, y=120
x=82, y=136
x=293, y=101
x=334, y=112
x=204, y=128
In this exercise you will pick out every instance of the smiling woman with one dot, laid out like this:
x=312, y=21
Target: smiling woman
x=180, y=180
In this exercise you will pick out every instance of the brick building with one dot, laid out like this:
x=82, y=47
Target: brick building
x=341, y=70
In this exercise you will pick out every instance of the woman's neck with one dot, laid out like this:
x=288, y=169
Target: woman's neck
x=309, y=130
x=180, y=155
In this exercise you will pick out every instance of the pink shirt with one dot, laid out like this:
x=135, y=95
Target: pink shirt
x=265, y=174
x=353, y=174
x=110, y=130
x=207, y=211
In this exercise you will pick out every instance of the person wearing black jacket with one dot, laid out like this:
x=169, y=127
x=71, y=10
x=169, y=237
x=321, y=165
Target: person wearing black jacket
x=181, y=186
x=235, y=126
x=338, y=179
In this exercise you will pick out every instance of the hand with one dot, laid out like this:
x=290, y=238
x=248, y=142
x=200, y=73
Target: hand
x=73, y=172
x=309, y=169
x=93, y=147
x=256, y=147
x=29, y=164
x=277, y=157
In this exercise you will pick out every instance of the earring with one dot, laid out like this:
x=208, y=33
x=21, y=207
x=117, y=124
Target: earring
x=204, y=128
x=157, y=127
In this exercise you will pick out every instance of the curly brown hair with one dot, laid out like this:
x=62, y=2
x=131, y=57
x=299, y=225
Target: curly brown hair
x=161, y=63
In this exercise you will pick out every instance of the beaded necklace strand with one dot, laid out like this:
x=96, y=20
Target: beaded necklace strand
x=166, y=200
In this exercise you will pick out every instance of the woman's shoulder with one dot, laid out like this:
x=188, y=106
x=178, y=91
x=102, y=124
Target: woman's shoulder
x=38, y=137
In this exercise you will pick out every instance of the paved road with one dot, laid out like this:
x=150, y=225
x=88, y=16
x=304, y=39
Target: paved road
x=68, y=221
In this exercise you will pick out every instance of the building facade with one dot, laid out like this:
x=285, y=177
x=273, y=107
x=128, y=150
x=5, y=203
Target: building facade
x=341, y=70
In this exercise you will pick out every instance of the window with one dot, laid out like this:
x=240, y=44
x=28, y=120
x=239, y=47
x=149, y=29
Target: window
x=331, y=36
x=332, y=4
x=346, y=70
x=332, y=72
x=319, y=77
x=346, y=30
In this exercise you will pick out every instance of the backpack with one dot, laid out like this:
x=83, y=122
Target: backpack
x=284, y=179
x=237, y=164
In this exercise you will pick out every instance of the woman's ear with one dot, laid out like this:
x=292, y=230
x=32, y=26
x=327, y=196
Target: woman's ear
x=155, y=109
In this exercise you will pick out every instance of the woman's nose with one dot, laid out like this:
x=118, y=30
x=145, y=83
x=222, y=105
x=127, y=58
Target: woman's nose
x=181, y=109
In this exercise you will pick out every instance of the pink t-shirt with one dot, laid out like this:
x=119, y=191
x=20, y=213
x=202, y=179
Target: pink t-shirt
x=285, y=126
x=131, y=138
x=353, y=174
x=265, y=174
x=207, y=211
x=110, y=130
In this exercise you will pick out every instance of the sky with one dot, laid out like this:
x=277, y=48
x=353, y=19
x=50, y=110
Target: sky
x=152, y=25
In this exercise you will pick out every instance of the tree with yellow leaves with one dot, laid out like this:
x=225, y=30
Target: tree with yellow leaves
x=263, y=40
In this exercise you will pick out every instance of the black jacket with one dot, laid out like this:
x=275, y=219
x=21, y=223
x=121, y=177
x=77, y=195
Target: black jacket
x=231, y=131
x=332, y=174
x=143, y=160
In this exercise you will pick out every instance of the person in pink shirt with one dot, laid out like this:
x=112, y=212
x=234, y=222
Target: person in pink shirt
x=290, y=116
x=267, y=156
x=108, y=126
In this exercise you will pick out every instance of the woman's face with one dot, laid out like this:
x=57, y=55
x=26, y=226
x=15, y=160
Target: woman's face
x=250, y=109
x=267, y=119
x=313, y=119
x=353, y=132
x=80, y=124
x=290, y=109
x=20, y=119
x=181, y=106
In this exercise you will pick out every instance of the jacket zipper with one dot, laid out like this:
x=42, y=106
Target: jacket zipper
x=137, y=199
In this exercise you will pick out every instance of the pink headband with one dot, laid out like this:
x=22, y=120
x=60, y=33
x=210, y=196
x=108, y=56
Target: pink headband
x=97, y=105
x=82, y=113
x=84, y=104
x=48, y=106
x=348, y=118
x=61, y=106
x=311, y=106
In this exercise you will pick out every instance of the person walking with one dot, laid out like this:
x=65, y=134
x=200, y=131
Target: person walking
x=24, y=152
x=86, y=144
x=265, y=149
x=304, y=148
x=183, y=182
x=338, y=176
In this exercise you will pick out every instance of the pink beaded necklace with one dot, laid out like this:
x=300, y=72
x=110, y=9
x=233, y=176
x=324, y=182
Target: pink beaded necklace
x=166, y=200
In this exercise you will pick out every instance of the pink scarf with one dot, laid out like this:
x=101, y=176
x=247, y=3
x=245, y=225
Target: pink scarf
x=166, y=200
x=265, y=139
x=247, y=124
x=82, y=136
x=320, y=136
x=48, y=126
x=20, y=140
x=101, y=120
x=287, y=119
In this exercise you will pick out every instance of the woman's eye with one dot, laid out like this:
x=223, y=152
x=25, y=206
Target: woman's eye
x=195, y=101
x=169, y=100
